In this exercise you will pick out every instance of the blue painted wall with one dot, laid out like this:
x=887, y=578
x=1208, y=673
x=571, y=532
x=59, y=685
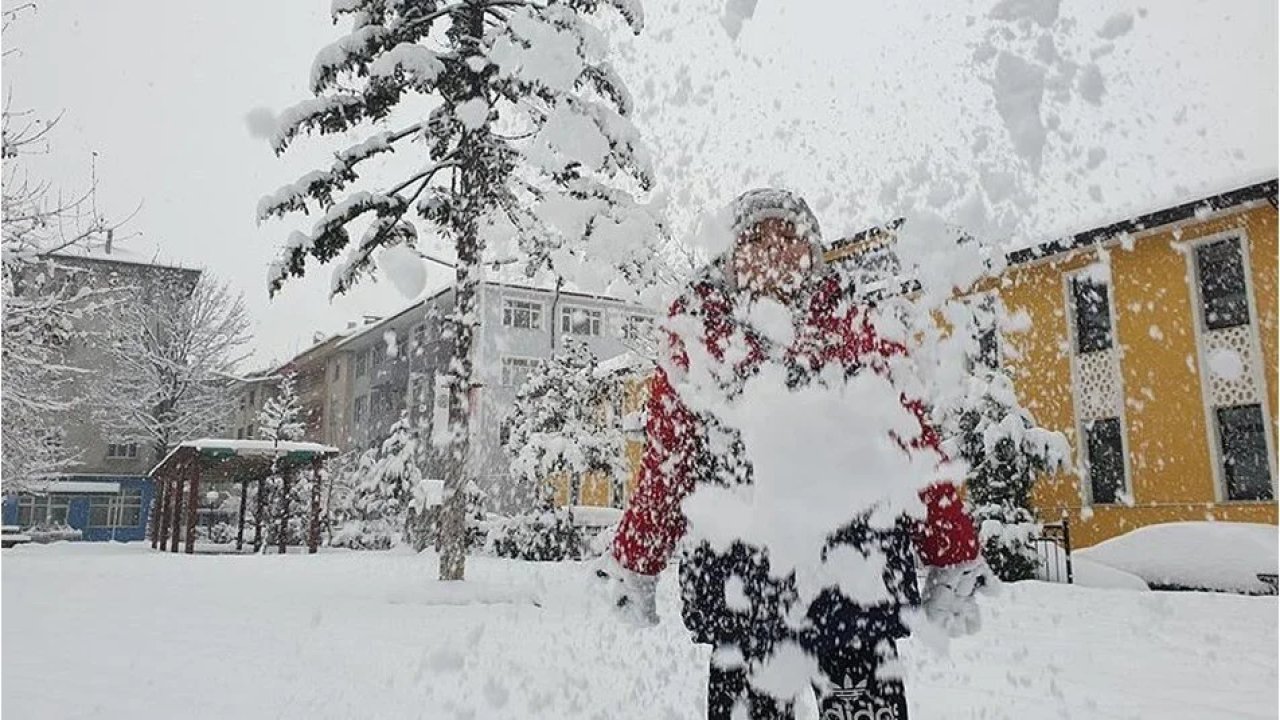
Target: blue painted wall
x=78, y=509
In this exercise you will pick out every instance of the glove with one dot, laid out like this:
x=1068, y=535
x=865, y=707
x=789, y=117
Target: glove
x=950, y=595
x=633, y=596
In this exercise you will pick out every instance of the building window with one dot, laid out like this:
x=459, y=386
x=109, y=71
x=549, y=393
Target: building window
x=362, y=363
x=526, y=314
x=1242, y=443
x=515, y=370
x=1223, y=291
x=37, y=510
x=361, y=409
x=1092, y=306
x=240, y=433
x=419, y=336
x=1105, y=460
x=253, y=398
x=123, y=510
x=637, y=327
x=122, y=451
x=337, y=372
x=440, y=405
x=580, y=321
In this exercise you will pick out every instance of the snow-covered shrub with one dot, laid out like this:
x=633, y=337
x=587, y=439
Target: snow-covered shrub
x=49, y=533
x=1005, y=450
x=222, y=533
x=540, y=535
x=560, y=425
x=385, y=486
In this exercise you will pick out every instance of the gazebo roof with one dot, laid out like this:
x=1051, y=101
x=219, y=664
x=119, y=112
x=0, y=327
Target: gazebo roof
x=225, y=459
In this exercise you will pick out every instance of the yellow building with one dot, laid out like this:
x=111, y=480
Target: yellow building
x=624, y=392
x=1158, y=363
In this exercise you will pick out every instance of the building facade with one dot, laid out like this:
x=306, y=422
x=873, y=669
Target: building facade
x=105, y=492
x=367, y=378
x=1152, y=347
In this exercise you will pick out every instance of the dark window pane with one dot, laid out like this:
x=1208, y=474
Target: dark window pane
x=1106, y=460
x=1220, y=267
x=988, y=348
x=1243, y=443
x=1093, y=314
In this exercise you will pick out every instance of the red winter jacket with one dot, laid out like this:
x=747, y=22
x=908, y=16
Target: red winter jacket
x=654, y=522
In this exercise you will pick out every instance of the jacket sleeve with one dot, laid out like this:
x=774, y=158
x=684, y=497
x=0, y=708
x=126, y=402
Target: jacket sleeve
x=653, y=522
x=946, y=536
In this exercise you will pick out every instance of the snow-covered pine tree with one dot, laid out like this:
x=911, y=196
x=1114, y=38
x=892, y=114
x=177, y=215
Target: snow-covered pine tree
x=558, y=427
x=384, y=491
x=527, y=152
x=1004, y=450
x=288, y=496
x=281, y=415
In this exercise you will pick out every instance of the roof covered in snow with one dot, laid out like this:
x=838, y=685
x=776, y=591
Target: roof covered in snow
x=225, y=459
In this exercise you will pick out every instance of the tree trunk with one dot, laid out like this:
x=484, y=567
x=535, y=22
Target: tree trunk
x=313, y=529
x=282, y=528
x=452, y=542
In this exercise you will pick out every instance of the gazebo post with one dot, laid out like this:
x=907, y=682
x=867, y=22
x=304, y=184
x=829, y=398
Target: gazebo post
x=286, y=491
x=244, y=499
x=313, y=534
x=175, y=524
x=156, y=512
x=257, y=517
x=193, y=502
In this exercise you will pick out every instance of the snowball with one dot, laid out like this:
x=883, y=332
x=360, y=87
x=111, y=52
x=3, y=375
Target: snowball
x=404, y=268
x=773, y=320
x=1226, y=364
x=261, y=123
x=735, y=14
x=1116, y=25
x=472, y=113
x=1019, y=89
x=788, y=673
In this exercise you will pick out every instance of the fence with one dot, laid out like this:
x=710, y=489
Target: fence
x=1053, y=548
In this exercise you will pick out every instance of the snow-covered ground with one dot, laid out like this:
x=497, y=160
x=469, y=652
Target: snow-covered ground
x=118, y=631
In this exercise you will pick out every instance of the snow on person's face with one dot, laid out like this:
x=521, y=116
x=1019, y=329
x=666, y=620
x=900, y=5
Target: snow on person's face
x=771, y=259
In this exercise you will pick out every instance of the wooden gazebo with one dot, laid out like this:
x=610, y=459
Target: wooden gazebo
x=180, y=474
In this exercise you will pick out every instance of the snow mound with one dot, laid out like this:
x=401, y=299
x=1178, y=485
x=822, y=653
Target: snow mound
x=1223, y=556
x=1091, y=574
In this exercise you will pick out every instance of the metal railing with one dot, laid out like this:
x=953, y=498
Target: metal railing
x=1053, y=548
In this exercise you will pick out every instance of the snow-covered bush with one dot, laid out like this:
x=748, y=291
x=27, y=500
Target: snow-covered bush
x=48, y=533
x=560, y=425
x=539, y=535
x=387, y=478
x=1005, y=451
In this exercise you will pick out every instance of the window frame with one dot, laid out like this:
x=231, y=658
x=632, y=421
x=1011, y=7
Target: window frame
x=631, y=324
x=1189, y=247
x=512, y=307
x=1222, y=455
x=507, y=361
x=1078, y=338
x=595, y=320
x=122, y=451
x=1203, y=307
x=1122, y=491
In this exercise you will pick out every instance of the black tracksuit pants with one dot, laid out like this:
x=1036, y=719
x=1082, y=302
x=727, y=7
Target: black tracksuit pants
x=857, y=695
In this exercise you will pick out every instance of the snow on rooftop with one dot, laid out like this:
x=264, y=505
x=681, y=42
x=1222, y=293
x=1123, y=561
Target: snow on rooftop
x=118, y=254
x=258, y=447
x=628, y=360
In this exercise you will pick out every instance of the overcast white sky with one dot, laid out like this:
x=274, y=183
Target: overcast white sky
x=826, y=97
